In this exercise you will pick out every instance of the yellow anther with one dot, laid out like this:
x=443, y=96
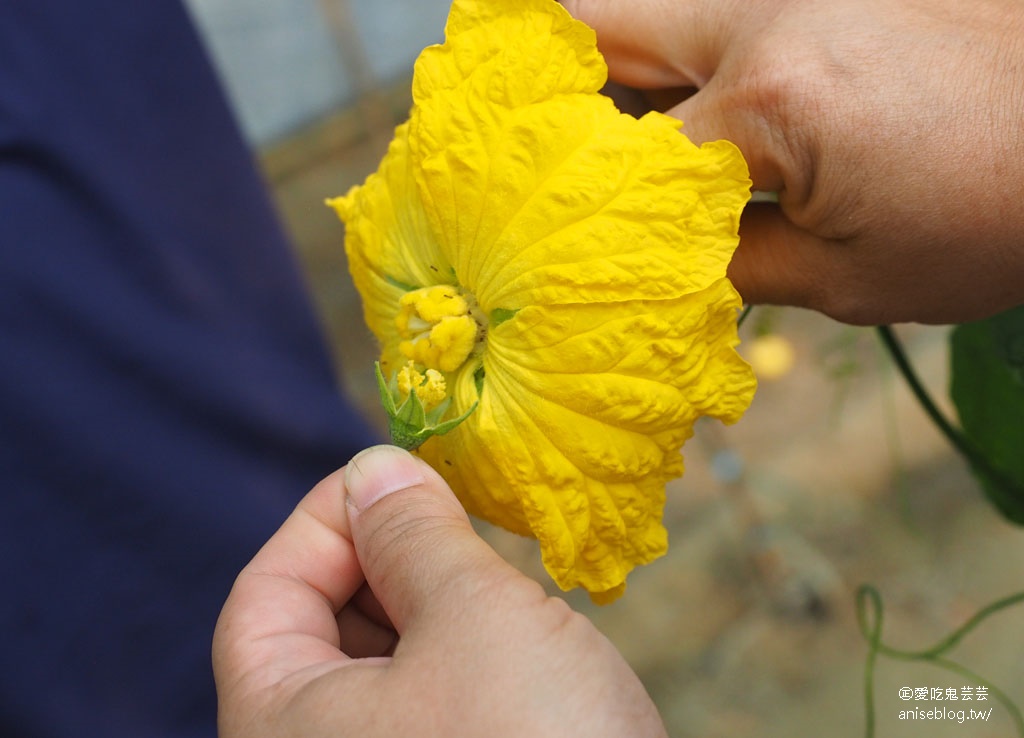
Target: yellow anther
x=408, y=379
x=431, y=304
x=429, y=386
x=437, y=326
x=433, y=390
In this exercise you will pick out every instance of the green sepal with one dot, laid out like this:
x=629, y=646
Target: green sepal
x=387, y=399
x=500, y=315
x=409, y=425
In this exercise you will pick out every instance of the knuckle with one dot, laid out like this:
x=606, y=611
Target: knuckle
x=787, y=98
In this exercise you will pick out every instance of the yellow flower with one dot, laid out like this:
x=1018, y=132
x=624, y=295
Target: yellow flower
x=563, y=265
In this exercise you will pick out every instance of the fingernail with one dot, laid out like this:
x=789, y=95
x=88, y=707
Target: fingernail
x=379, y=471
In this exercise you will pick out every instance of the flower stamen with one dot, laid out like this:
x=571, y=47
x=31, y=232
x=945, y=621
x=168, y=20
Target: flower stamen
x=440, y=326
x=416, y=402
x=429, y=386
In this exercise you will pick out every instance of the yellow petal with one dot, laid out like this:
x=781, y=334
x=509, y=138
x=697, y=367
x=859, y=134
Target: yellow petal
x=583, y=413
x=389, y=244
x=511, y=52
x=554, y=196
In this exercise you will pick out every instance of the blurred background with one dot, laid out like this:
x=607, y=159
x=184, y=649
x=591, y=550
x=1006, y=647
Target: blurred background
x=835, y=477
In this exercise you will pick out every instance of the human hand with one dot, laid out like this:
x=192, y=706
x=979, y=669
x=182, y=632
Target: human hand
x=302, y=645
x=892, y=131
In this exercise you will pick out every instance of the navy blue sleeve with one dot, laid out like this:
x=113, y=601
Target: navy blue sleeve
x=165, y=393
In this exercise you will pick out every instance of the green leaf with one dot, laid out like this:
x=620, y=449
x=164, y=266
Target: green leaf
x=988, y=391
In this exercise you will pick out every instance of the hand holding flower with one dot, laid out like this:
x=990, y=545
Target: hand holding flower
x=891, y=130
x=303, y=648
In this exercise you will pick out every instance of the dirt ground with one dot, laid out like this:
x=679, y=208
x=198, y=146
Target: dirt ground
x=834, y=478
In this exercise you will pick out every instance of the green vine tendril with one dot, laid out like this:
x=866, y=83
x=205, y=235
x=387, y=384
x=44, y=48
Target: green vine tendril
x=868, y=596
x=870, y=620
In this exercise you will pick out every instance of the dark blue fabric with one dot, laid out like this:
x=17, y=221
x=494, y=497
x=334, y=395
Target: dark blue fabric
x=165, y=395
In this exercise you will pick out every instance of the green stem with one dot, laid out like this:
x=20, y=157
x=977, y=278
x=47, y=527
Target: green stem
x=950, y=641
x=978, y=460
x=743, y=316
x=899, y=357
x=873, y=634
x=970, y=676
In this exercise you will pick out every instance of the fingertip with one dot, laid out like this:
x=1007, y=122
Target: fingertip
x=644, y=42
x=379, y=471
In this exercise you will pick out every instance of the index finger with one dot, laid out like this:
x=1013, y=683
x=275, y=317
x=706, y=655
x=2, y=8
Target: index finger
x=280, y=615
x=660, y=43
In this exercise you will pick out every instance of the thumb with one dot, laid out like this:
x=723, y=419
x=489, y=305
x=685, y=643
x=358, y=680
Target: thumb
x=414, y=542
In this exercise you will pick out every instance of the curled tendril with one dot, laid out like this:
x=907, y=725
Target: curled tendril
x=870, y=617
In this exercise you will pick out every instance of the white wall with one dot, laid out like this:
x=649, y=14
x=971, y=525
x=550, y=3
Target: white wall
x=283, y=67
